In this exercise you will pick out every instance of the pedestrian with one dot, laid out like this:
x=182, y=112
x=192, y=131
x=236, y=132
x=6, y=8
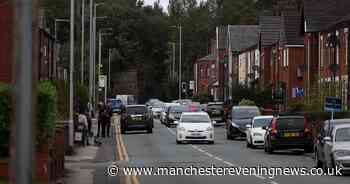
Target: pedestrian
x=100, y=118
x=108, y=119
x=104, y=122
x=82, y=119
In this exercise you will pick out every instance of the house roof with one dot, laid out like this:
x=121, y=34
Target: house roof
x=243, y=36
x=318, y=13
x=291, y=33
x=270, y=27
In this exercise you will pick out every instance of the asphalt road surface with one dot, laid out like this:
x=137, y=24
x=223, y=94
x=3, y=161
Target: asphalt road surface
x=139, y=149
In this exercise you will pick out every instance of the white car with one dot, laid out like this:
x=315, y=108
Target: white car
x=255, y=132
x=195, y=126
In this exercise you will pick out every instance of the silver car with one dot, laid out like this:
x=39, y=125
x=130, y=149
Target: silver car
x=335, y=149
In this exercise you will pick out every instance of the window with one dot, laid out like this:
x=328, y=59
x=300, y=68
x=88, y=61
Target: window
x=285, y=57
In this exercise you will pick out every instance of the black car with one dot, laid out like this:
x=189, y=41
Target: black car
x=240, y=117
x=136, y=117
x=216, y=112
x=288, y=132
x=173, y=114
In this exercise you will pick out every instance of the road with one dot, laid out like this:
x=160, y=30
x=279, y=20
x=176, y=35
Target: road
x=138, y=149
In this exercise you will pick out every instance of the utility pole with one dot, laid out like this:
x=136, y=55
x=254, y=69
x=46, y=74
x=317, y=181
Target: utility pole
x=174, y=58
x=71, y=74
x=91, y=56
x=180, y=60
x=82, y=39
x=22, y=171
x=109, y=68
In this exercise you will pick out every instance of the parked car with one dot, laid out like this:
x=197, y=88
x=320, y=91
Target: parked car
x=332, y=147
x=157, y=109
x=195, y=126
x=173, y=114
x=255, y=132
x=163, y=114
x=288, y=132
x=117, y=105
x=216, y=112
x=194, y=107
x=240, y=117
x=136, y=117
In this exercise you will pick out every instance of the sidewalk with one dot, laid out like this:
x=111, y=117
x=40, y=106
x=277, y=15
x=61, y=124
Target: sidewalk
x=88, y=164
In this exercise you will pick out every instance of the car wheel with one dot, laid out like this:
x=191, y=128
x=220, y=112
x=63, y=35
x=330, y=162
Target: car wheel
x=248, y=145
x=178, y=142
x=150, y=131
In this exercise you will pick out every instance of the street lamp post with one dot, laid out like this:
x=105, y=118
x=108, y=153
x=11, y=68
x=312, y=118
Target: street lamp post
x=100, y=35
x=71, y=130
x=82, y=39
x=91, y=58
x=109, y=68
x=180, y=55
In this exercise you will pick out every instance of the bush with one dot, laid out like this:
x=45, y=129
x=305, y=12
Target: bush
x=82, y=97
x=46, y=112
x=5, y=119
x=62, y=99
x=247, y=102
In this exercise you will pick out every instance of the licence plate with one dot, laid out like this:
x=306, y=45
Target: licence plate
x=291, y=134
x=137, y=118
x=196, y=134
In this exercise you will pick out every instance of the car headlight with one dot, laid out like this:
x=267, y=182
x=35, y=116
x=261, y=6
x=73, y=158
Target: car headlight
x=257, y=134
x=342, y=153
x=210, y=129
x=181, y=129
x=234, y=125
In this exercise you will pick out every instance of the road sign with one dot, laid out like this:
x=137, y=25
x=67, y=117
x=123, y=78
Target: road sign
x=191, y=85
x=102, y=81
x=333, y=104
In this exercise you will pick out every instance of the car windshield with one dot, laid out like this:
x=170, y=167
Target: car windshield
x=177, y=109
x=136, y=110
x=342, y=135
x=261, y=122
x=195, y=119
x=245, y=113
x=115, y=103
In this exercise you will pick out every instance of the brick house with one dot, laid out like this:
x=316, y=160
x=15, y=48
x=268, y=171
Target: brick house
x=287, y=59
x=269, y=35
x=6, y=40
x=205, y=75
x=318, y=17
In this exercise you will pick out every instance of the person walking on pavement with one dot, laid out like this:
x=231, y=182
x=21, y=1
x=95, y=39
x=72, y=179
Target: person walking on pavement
x=105, y=121
x=108, y=119
x=100, y=118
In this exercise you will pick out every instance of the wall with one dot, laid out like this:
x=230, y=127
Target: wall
x=6, y=40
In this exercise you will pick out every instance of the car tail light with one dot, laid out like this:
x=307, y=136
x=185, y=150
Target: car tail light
x=274, y=127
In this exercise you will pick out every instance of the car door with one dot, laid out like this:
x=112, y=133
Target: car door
x=327, y=147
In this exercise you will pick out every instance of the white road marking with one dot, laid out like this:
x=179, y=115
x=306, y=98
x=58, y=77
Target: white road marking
x=220, y=159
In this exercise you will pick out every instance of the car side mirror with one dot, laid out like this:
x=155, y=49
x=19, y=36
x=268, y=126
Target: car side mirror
x=265, y=127
x=248, y=126
x=327, y=139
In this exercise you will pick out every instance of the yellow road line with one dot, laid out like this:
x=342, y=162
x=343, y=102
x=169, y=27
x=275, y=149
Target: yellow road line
x=122, y=153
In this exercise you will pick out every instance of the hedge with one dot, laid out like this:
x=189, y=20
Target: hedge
x=5, y=116
x=46, y=112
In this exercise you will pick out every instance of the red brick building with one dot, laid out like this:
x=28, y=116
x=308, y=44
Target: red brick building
x=205, y=75
x=6, y=40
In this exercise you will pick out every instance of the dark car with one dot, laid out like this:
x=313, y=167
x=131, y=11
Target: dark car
x=288, y=132
x=174, y=113
x=136, y=117
x=326, y=131
x=240, y=117
x=216, y=112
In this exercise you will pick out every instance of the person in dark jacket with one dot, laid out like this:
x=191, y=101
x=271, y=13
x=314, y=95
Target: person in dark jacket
x=100, y=119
